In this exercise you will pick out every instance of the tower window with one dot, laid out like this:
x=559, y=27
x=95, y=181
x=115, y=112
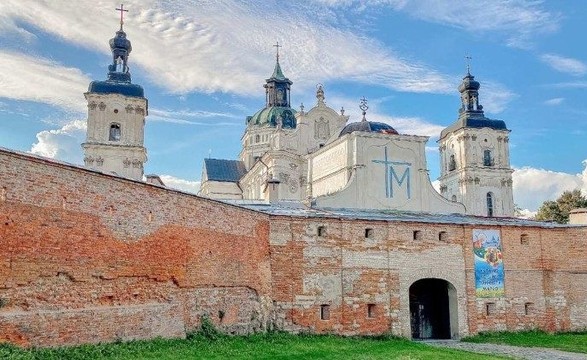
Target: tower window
x=452, y=164
x=114, y=132
x=487, y=160
x=257, y=138
x=489, y=204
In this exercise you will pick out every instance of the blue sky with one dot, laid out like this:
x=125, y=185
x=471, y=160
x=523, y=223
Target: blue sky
x=203, y=64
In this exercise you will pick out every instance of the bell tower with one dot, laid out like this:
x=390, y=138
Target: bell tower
x=475, y=159
x=116, y=116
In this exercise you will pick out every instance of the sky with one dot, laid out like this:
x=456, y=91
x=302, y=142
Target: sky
x=203, y=64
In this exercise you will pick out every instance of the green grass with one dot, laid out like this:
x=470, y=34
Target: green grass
x=260, y=346
x=575, y=342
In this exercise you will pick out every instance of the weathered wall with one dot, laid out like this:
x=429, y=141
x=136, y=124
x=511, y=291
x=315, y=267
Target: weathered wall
x=86, y=257
x=347, y=271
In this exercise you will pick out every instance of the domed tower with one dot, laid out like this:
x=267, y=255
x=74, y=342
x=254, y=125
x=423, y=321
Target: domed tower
x=277, y=113
x=474, y=158
x=116, y=117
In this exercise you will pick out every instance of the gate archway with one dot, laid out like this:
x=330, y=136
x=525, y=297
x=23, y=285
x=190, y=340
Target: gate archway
x=433, y=309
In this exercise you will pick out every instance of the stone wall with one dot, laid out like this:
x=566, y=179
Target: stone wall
x=545, y=275
x=86, y=257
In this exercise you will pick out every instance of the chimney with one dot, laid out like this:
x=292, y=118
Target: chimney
x=272, y=190
x=578, y=216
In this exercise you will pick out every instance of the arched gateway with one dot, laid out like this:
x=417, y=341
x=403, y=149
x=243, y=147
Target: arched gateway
x=433, y=309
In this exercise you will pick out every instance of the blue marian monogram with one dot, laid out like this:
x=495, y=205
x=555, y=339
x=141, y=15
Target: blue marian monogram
x=391, y=175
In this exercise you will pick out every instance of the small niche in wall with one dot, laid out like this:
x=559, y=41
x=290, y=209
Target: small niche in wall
x=321, y=231
x=528, y=308
x=490, y=309
x=524, y=239
x=324, y=312
x=443, y=236
x=370, y=310
x=368, y=233
x=417, y=235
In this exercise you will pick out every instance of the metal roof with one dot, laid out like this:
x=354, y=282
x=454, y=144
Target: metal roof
x=224, y=170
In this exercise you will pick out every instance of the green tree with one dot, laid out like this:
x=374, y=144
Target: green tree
x=559, y=209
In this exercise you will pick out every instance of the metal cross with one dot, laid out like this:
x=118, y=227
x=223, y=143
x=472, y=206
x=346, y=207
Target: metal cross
x=277, y=46
x=468, y=59
x=122, y=11
x=364, y=107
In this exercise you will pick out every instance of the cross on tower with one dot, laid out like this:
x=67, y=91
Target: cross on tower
x=277, y=46
x=468, y=59
x=122, y=11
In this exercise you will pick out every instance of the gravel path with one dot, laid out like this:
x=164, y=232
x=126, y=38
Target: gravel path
x=516, y=352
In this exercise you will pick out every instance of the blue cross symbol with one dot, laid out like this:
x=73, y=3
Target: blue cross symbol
x=391, y=175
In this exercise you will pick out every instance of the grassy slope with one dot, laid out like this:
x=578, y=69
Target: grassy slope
x=576, y=342
x=271, y=346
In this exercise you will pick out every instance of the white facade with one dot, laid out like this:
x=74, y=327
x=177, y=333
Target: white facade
x=115, y=135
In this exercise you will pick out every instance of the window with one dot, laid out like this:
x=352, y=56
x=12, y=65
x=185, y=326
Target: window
x=370, y=310
x=487, y=161
x=528, y=308
x=257, y=138
x=324, y=312
x=368, y=233
x=443, y=236
x=417, y=235
x=452, y=164
x=524, y=239
x=489, y=204
x=490, y=309
x=454, y=198
x=114, y=132
x=321, y=231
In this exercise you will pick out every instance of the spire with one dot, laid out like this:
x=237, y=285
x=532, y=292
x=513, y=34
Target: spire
x=121, y=48
x=363, y=106
x=469, y=90
x=277, y=87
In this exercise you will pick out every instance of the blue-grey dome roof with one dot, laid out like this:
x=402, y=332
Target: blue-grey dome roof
x=116, y=87
x=271, y=115
x=368, y=126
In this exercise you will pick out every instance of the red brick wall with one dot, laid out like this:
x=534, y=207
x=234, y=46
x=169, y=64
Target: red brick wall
x=77, y=248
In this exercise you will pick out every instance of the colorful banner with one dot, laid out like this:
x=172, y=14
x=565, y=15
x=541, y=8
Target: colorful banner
x=489, y=272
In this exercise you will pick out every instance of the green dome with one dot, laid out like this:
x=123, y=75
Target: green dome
x=269, y=116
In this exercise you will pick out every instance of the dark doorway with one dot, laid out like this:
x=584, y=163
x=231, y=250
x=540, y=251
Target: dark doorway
x=433, y=309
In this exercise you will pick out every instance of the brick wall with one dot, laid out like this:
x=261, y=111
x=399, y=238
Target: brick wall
x=545, y=275
x=86, y=257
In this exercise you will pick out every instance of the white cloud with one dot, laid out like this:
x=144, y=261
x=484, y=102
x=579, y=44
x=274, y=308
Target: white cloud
x=564, y=64
x=181, y=184
x=41, y=80
x=534, y=186
x=225, y=45
x=62, y=144
x=193, y=117
x=494, y=97
x=554, y=101
x=519, y=20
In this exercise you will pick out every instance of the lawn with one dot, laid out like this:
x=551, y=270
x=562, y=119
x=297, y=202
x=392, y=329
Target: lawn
x=260, y=346
x=575, y=342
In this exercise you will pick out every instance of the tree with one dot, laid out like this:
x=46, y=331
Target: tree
x=559, y=209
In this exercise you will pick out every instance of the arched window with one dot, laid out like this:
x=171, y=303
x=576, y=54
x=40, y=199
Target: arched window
x=452, y=164
x=114, y=132
x=487, y=161
x=257, y=138
x=489, y=204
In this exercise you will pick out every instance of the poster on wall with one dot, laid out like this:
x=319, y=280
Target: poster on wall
x=489, y=272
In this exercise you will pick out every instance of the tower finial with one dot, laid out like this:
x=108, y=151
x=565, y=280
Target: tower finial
x=277, y=46
x=363, y=106
x=468, y=59
x=122, y=11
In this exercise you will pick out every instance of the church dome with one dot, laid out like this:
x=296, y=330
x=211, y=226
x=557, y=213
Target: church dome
x=274, y=115
x=368, y=126
x=116, y=87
